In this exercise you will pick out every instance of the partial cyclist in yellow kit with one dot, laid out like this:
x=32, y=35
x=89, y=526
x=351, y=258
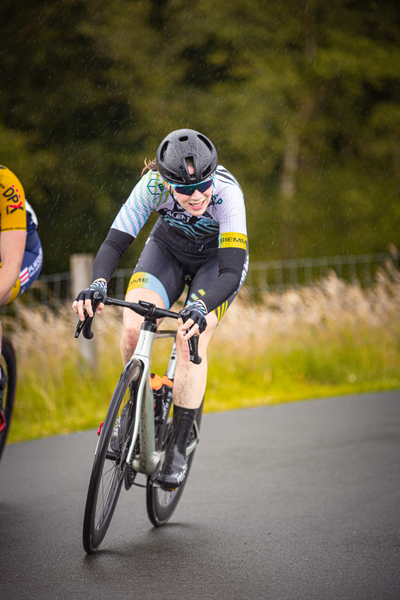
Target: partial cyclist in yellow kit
x=21, y=252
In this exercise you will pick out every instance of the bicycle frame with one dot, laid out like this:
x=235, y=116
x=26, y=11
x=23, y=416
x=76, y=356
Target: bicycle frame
x=148, y=459
x=125, y=446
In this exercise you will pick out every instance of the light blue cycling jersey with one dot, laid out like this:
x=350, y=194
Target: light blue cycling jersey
x=224, y=215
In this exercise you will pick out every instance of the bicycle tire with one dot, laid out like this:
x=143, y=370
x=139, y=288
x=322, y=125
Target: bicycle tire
x=8, y=365
x=108, y=471
x=160, y=503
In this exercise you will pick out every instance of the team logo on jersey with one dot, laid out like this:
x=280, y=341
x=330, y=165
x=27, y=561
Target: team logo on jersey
x=232, y=240
x=215, y=200
x=155, y=186
x=11, y=208
x=12, y=195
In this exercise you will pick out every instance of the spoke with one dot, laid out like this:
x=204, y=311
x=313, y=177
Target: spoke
x=109, y=480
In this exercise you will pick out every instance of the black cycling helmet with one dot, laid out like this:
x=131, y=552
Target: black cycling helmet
x=176, y=148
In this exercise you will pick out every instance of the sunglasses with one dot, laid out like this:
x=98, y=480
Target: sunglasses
x=187, y=190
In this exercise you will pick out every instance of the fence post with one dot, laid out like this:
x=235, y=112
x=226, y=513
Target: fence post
x=81, y=266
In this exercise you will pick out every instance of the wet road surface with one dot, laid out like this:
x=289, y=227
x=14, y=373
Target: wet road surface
x=297, y=501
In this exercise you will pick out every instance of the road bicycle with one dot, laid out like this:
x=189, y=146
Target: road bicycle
x=8, y=385
x=136, y=429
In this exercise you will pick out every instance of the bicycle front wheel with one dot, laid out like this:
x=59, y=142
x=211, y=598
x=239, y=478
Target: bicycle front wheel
x=8, y=386
x=162, y=503
x=109, y=464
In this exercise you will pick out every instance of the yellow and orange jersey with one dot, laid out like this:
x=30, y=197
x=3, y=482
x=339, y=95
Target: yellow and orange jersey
x=12, y=202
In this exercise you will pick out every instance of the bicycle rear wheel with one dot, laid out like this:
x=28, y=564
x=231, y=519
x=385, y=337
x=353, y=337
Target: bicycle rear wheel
x=161, y=503
x=109, y=464
x=8, y=386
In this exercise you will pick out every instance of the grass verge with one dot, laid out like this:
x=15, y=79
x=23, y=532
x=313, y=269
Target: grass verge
x=332, y=339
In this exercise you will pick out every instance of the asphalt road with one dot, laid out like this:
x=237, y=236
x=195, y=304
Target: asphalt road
x=298, y=501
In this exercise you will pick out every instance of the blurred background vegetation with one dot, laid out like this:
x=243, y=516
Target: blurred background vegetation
x=327, y=339
x=300, y=98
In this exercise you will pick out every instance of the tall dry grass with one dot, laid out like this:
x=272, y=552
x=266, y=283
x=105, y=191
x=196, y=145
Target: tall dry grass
x=329, y=303
x=333, y=337
x=57, y=392
x=330, y=338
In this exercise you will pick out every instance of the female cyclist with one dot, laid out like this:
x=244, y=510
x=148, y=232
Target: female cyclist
x=200, y=239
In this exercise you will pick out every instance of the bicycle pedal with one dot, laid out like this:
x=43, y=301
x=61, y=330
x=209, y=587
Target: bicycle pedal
x=154, y=475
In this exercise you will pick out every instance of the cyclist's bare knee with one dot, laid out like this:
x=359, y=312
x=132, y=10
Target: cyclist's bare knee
x=129, y=338
x=182, y=347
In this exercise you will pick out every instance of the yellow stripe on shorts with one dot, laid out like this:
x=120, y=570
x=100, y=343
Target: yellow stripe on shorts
x=221, y=310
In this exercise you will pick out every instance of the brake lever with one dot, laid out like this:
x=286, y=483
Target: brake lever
x=194, y=349
x=79, y=327
x=86, y=326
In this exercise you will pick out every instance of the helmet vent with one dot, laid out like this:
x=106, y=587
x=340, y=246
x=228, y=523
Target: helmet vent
x=183, y=144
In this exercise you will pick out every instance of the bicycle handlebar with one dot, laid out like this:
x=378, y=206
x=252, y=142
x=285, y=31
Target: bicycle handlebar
x=144, y=309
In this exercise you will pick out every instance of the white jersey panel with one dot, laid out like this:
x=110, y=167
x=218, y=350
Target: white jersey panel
x=225, y=213
x=29, y=209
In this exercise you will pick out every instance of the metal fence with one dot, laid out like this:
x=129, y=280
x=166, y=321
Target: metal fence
x=271, y=275
x=55, y=288
x=263, y=276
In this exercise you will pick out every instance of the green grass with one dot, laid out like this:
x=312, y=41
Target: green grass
x=58, y=395
x=315, y=364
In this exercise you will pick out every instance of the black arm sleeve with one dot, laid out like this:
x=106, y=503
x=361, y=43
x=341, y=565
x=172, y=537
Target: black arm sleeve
x=231, y=264
x=110, y=253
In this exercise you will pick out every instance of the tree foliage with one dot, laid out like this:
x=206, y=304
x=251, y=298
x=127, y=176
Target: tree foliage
x=301, y=100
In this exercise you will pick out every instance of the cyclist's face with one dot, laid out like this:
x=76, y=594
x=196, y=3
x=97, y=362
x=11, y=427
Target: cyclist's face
x=197, y=203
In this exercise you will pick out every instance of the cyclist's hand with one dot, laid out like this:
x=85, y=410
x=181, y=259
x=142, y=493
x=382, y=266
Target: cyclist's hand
x=85, y=297
x=193, y=319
